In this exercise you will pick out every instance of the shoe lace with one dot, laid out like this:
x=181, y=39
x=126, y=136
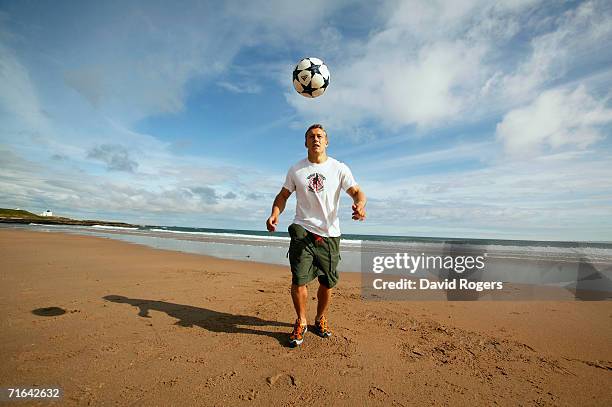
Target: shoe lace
x=323, y=324
x=298, y=329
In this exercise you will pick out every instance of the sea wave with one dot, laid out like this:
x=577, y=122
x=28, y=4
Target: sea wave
x=594, y=251
x=243, y=237
x=226, y=235
x=113, y=227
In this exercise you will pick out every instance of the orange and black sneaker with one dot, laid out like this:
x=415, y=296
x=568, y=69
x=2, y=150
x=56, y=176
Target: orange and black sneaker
x=321, y=328
x=297, y=336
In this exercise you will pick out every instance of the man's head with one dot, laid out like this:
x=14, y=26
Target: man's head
x=316, y=139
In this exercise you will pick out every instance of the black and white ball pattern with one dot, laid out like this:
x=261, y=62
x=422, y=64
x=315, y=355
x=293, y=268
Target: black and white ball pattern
x=311, y=77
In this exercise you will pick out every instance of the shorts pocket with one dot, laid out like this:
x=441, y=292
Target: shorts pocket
x=297, y=232
x=296, y=252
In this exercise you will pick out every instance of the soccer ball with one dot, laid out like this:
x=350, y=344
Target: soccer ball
x=311, y=77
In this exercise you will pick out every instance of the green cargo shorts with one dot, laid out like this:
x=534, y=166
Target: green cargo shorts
x=312, y=259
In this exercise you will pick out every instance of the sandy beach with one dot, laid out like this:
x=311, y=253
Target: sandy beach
x=140, y=326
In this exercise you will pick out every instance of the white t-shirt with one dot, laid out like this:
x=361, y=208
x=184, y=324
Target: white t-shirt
x=317, y=187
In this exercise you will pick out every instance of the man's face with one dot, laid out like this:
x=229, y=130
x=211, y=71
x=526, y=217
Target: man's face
x=316, y=141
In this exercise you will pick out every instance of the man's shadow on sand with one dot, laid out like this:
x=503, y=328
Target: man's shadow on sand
x=214, y=321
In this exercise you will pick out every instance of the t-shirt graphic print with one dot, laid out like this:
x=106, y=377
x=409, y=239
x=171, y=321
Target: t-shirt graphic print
x=316, y=182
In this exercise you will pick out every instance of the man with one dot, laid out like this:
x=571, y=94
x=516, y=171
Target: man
x=314, y=251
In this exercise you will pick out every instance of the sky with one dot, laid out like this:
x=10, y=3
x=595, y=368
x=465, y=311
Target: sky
x=468, y=118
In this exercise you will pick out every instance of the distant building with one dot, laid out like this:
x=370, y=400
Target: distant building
x=47, y=213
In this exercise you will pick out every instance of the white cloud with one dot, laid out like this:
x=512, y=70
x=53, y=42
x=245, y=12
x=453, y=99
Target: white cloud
x=580, y=34
x=425, y=67
x=435, y=64
x=198, y=190
x=19, y=100
x=240, y=88
x=471, y=152
x=149, y=61
x=115, y=156
x=426, y=87
x=557, y=118
x=146, y=72
x=276, y=22
x=562, y=196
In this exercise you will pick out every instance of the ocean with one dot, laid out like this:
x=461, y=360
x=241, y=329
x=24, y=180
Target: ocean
x=587, y=265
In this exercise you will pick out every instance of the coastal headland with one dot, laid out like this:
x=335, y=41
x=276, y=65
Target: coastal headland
x=21, y=216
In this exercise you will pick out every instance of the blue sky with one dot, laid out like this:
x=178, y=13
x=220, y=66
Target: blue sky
x=458, y=118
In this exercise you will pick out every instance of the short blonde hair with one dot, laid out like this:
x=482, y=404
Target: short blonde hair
x=315, y=126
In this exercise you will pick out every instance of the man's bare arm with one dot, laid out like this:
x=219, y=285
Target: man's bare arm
x=277, y=208
x=359, y=202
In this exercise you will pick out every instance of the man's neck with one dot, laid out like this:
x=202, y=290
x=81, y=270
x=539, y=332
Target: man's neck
x=317, y=158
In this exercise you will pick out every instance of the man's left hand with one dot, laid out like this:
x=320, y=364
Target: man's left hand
x=359, y=212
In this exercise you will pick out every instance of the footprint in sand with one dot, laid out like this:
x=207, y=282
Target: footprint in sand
x=288, y=379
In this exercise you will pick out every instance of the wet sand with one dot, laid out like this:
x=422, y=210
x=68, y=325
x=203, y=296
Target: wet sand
x=140, y=326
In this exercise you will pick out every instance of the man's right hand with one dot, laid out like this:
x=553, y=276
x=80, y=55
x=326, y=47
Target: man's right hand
x=271, y=223
x=277, y=208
